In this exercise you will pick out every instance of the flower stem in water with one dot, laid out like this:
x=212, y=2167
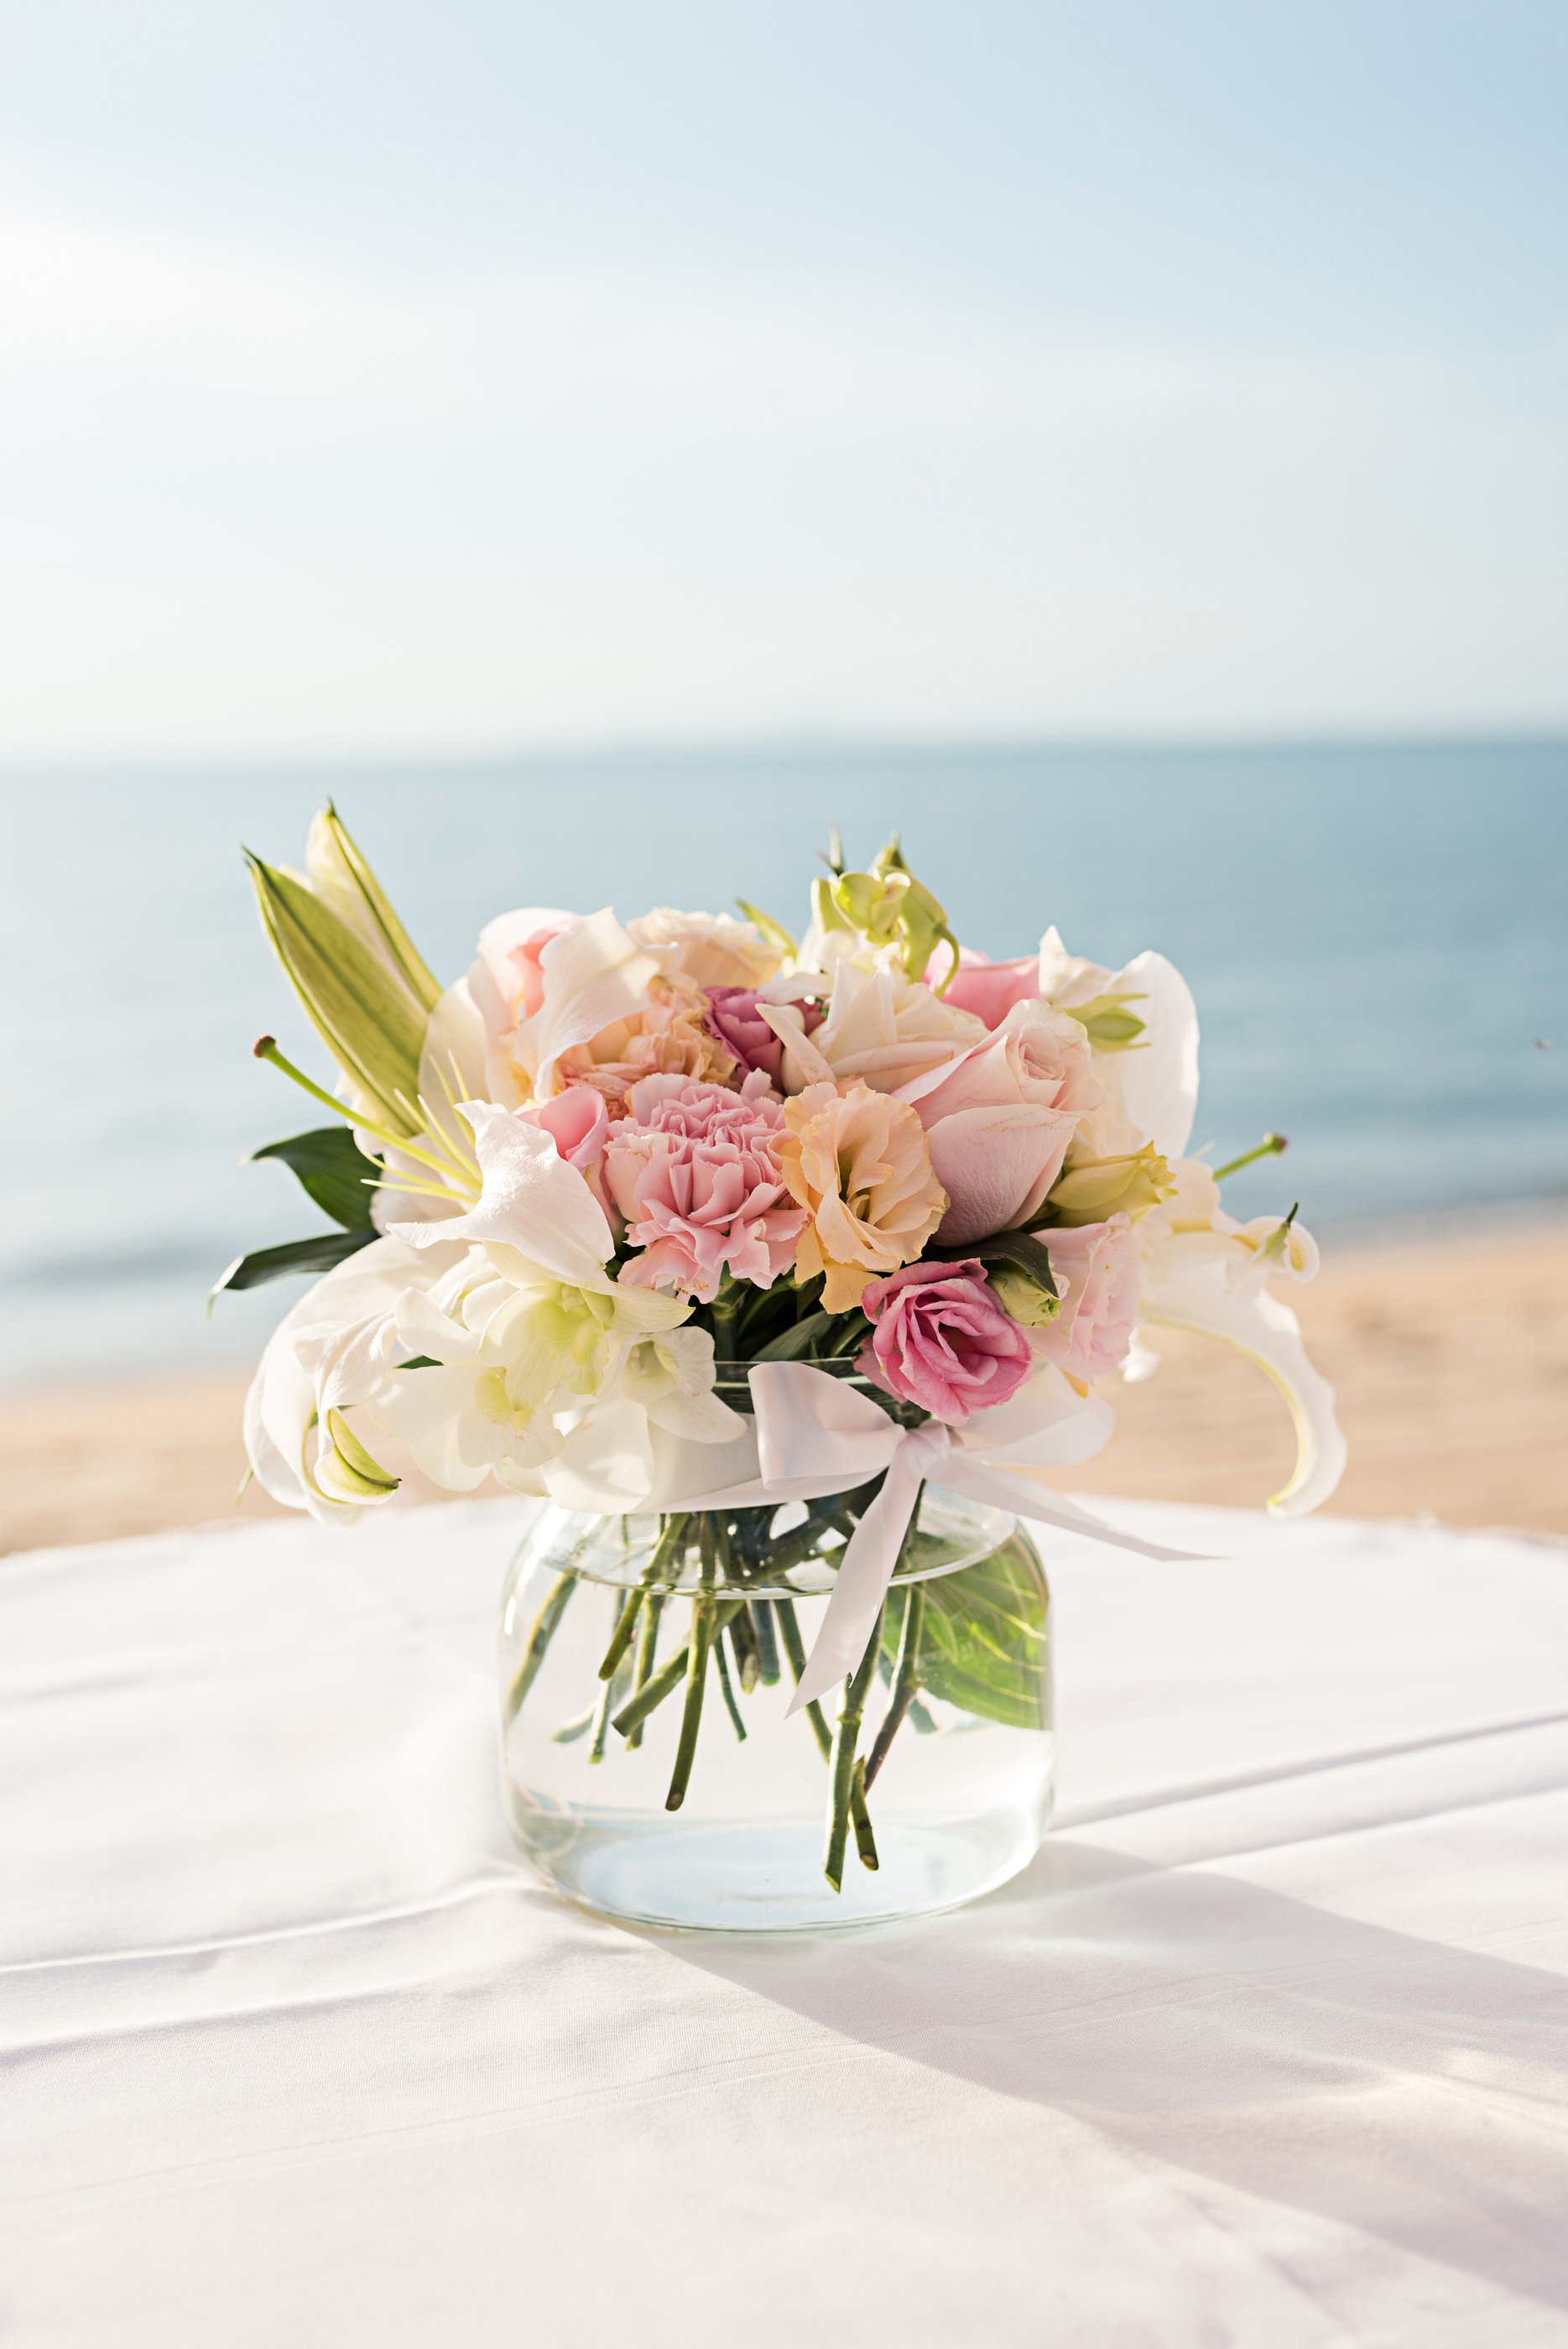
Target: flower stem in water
x=615, y=1686
x=860, y=1817
x=620, y=1638
x=843, y=1745
x=701, y=1640
x=647, y=1650
x=539, y=1640
x=905, y=1680
x=664, y=1682
x=763, y=1630
x=747, y=1655
x=795, y=1649
x=726, y=1688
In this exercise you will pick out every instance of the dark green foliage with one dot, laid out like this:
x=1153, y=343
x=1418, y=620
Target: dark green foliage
x=319, y=1254
x=332, y=1170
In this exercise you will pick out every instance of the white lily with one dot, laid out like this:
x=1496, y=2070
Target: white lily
x=329, y=1357
x=528, y=1324
x=1150, y=1084
x=616, y=1454
x=1202, y=1271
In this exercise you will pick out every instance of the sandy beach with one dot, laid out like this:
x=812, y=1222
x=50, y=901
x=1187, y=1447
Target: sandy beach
x=1450, y=1355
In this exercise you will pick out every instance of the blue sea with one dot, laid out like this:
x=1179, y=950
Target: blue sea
x=1377, y=938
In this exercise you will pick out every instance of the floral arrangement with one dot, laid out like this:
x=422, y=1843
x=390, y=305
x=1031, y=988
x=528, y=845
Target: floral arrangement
x=618, y=1172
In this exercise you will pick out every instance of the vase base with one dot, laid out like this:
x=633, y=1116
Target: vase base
x=764, y=1876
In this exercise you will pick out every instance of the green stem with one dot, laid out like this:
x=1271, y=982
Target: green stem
x=766, y=1638
x=795, y=1649
x=672, y=1537
x=905, y=1680
x=664, y=1682
x=539, y=1640
x=1270, y=1147
x=647, y=1650
x=748, y=1654
x=865, y=1841
x=701, y=1640
x=615, y=1681
x=726, y=1686
x=843, y=1745
x=620, y=1638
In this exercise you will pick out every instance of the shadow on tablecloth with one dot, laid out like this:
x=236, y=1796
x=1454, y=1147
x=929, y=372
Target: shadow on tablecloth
x=1411, y=2091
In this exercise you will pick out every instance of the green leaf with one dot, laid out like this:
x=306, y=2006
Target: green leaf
x=332, y=1170
x=1020, y=1248
x=798, y=1342
x=316, y=1254
x=368, y=1021
x=985, y=1638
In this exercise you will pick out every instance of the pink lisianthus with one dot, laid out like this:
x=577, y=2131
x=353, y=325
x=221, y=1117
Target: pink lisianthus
x=695, y=1170
x=999, y=1120
x=989, y=989
x=1098, y=1272
x=737, y=1024
x=577, y=1122
x=942, y=1339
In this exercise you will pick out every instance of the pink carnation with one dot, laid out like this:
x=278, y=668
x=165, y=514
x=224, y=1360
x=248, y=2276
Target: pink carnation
x=694, y=1169
x=1097, y=1271
x=989, y=989
x=942, y=1340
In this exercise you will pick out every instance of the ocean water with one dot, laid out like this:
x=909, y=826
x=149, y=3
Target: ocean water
x=1377, y=938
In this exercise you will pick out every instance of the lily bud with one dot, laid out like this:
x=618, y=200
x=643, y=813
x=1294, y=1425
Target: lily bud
x=339, y=877
x=1098, y=1187
x=367, y=1017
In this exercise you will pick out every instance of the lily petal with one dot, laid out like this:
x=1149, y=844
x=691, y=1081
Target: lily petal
x=1198, y=1296
x=532, y=1201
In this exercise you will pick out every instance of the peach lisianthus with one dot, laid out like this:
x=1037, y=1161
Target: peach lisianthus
x=858, y=1162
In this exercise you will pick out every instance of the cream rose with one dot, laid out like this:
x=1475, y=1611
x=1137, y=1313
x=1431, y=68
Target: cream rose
x=998, y=1121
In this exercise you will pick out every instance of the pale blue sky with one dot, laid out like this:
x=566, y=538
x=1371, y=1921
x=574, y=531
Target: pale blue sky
x=387, y=379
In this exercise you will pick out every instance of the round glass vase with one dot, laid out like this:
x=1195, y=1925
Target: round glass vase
x=648, y=1768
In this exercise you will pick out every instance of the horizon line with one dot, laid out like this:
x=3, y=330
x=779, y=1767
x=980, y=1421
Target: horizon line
x=808, y=742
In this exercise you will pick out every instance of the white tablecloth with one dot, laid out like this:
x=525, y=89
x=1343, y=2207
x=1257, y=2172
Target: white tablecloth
x=1270, y=2046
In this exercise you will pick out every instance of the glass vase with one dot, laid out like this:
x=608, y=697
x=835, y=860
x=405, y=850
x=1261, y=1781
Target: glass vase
x=649, y=1770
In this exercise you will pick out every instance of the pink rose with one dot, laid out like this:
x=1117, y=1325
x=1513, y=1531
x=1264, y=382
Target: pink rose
x=989, y=989
x=999, y=1120
x=942, y=1340
x=737, y=1024
x=694, y=1169
x=1096, y=1269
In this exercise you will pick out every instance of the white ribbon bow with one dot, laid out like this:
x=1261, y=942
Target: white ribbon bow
x=815, y=1435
